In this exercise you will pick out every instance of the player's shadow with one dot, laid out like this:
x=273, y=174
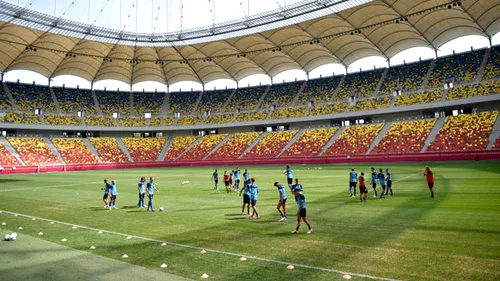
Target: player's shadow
x=11, y=180
x=97, y=209
x=233, y=215
x=130, y=207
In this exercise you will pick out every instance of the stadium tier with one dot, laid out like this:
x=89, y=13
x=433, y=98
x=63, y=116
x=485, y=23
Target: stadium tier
x=179, y=145
x=270, y=145
x=62, y=120
x=22, y=118
x=132, y=122
x=183, y=102
x=245, y=99
x=203, y=147
x=111, y=102
x=319, y=90
x=371, y=104
x=354, y=140
x=311, y=142
x=492, y=69
x=460, y=68
x=406, y=78
x=404, y=137
x=74, y=100
x=325, y=109
x=189, y=120
x=213, y=101
x=251, y=116
x=100, y=121
x=144, y=149
x=162, y=121
x=234, y=146
x=108, y=150
x=281, y=95
x=360, y=84
x=74, y=151
x=34, y=151
x=419, y=98
x=291, y=112
x=6, y=158
x=4, y=99
x=219, y=118
x=148, y=102
x=29, y=97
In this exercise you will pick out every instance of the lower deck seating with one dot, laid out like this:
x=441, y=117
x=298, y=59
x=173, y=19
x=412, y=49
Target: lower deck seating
x=74, y=151
x=179, y=144
x=496, y=144
x=354, y=140
x=203, y=147
x=34, y=151
x=270, y=145
x=108, y=150
x=144, y=149
x=311, y=142
x=6, y=158
x=235, y=145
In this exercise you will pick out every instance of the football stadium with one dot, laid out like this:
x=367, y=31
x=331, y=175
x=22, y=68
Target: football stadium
x=183, y=140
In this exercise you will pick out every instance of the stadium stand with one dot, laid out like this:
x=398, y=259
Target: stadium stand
x=29, y=97
x=162, y=121
x=419, y=98
x=33, y=151
x=189, y=120
x=354, y=140
x=144, y=149
x=213, y=101
x=251, y=116
x=132, y=122
x=100, y=121
x=74, y=151
x=496, y=144
x=108, y=150
x=183, y=102
x=370, y=104
x=361, y=84
x=461, y=68
x=270, y=145
x=474, y=90
x=311, y=142
x=62, y=120
x=325, y=109
x=4, y=99
x=22, y=118
x=235, y=146
x=148, y=102
x=464, y=132
x=203, y=147
x=492, y=69
x=111, y=102
x=6, y=158
x=245, y=99
x=219, y=118
x=405, y=137
x=74, y=100
x=319, y=90
x=407, y=77
x=179, y=144
x=281, y=95
x=291, y=112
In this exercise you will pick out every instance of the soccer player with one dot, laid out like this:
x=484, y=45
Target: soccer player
x=297, y=185
x=237, y=178
x=246, y=197
x=231, y=178
x=301, y=212
x=246, y=177
x=353, y=180
x=226, y=182
x=381, y=180
x=215, y=177
x=254, y=191
x=112, y=194
x=282, y=202
x=362, y=188
x=374, y=182
x=388, y=178
x=289, y=176
x=141, y=187
x=150, y=190
x=106, y=193
x=430, y=179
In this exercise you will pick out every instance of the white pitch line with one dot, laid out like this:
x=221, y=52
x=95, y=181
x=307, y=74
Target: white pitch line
x=209, y=250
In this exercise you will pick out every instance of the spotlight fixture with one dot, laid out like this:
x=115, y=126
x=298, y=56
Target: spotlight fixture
x=207, y=59
x=29, y=48
x=242, y=55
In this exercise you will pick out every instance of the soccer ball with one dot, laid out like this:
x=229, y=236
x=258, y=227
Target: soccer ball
x=161, y=209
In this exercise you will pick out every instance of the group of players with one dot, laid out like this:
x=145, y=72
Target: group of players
x=385, y=181
x=145, y=189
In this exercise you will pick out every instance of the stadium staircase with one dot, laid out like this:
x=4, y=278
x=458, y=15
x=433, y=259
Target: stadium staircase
x=165, y=107
x=96, y=103
x=124, y=148
x=92, y=149
x=495, y=133
x=231, y=96
x=287, y=146
x=188, y=148
x=299, y=92
x=332, y=140
x=11, y=98
x=257, y=107
x=164, y=150
x=428, y=74
x=382, y=78
x=433, y=133
x=379, y=137
x=11, y=150
x=332, y=98
x=197, y=103
x=54, y=150
x=218, y=146
x=42, y=119
x=392, y=101
x=443, y=97
x=482, y=67
x=255, y=142
x=56, y=102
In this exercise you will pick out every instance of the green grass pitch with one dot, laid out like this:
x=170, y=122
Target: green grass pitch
x=409, y=236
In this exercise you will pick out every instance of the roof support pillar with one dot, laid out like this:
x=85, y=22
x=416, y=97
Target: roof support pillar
x=49, y=80
x=491, y=43
x=92, y=85
x=1, y=76
x=436, y=52
x=389, y=62
x=307, y=75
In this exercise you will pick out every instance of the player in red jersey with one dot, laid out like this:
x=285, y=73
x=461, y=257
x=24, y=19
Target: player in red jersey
x=363, y=191
x=430, y=179
x=226, y=181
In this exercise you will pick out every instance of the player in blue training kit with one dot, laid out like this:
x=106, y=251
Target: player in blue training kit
x=374, y=182
x=150, y=190
x=353, y=180
x=289, y=176
x=106, y=188
x=246, y=177
x=215, y=177
x=254, y=192
x=388, y=178
x=237, y=178
x=112, y=193
x=246, y=197
x=282, y=202
x=297, y=185
x=381, y=180
x=301, y=211
x=231, y=179
x=141, y=187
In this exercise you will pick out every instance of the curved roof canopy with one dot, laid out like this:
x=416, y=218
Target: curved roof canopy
x=380, y=28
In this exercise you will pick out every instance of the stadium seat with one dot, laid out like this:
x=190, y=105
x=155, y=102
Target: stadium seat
x=406, y=78
x=291, y=112
x=62, y=120
x=74, y=151
x=162, y=121
x=179, y=144
x=189, y=120
x=219, y=118
x=405, y=137
x=6, y=158
x=496, y=144
x=144, y=149
x=108, y=150
x=325, y=109
x=235, y=146
x=183, y=102
x=132, y=122
x=74, y=100
x=213, y=101
x=464, y=132
x=203, y=147
x=111, y=102
x=29, y=97
x=419, y=98
x=492, y=69
x=360, y=84
x=311, y=142
x=23, y=118
x=34, y=151
x=100, y=121
x=148, y=103
x=251, y=116
x=319, y=90
x=245, y=99
x=281, y=95
x=371, y=104
x=461, y=68
x=270, y=145
x=354, y=140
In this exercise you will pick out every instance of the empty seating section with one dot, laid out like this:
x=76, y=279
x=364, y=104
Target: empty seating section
x=362, y=84
x=405, y=77
x=371, y=104
x=74, y=100
x=6, y=158
x=461, y=68
x=251, y=116
x=148, y=102
x=100, y=121
x=144, y=149
x=405, y=137
x=291, y=112
x=74, y=151
x=179, y=144
x=270, y=145
x=213, y=101
x=464, y=132
x=4, y=99
x=108, y=150
x=235, y=145
x=183, y=102
x=62, y=120
x=203, y=147
x=354, y=140
x=325, y=109
x=33, y=151
x=492, y=69
x=281, y=95
x=311, y=142
x=132, y=122
x=496, y=144
x=245, y=99
x=319, y=90
x=162, y=121
x=189, y=120
x=111, y=102
x=22, y=118
x=419, y=98
x=219, y=118
x=468, y=91
x=29, y=97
